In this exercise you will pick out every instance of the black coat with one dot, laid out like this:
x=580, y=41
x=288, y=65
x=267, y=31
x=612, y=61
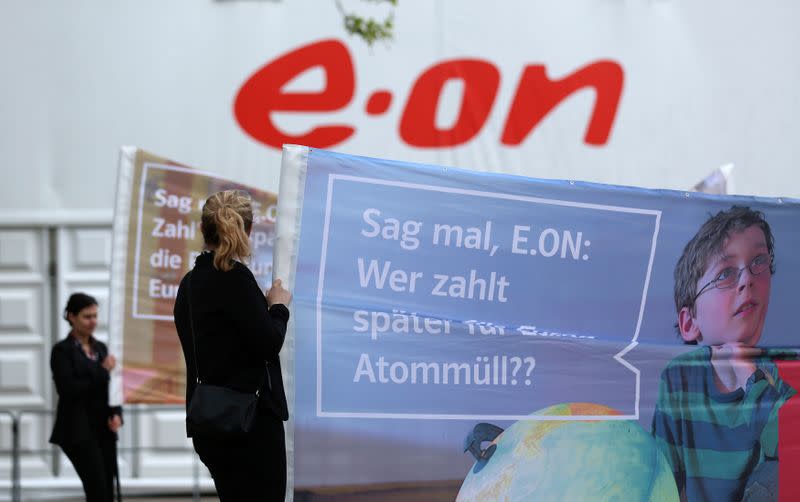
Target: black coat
x=82, y=386
x=237, y=334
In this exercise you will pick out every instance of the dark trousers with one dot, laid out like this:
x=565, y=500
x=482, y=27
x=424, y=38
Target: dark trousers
x=95, y=461
x=252, y=469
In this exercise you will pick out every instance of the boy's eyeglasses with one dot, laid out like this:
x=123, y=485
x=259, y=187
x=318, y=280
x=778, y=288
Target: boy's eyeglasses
x=729, y=276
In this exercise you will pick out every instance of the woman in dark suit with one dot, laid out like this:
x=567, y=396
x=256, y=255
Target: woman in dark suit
x=86, y=426
x=238, y=333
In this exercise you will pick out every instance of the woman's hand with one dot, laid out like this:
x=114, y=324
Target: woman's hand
x=278, y=294
x=109, y=362
x=114, y=423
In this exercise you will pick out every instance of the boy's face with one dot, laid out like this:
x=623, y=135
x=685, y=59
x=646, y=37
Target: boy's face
x=735, y=315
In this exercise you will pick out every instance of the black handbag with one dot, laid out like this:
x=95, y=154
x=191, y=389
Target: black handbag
x=219, y=412
x=216, y=411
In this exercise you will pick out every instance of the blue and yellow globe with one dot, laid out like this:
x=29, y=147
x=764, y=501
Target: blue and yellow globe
x=580, y=460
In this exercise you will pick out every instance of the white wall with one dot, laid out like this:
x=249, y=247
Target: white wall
x=706, y=83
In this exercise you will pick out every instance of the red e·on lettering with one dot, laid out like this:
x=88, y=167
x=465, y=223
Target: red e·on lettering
x=535, y=97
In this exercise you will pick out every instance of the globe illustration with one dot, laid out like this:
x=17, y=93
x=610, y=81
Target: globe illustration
x=571, y=460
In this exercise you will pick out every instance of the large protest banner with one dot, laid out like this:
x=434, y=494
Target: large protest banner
x=436, y=308
x=156, y=239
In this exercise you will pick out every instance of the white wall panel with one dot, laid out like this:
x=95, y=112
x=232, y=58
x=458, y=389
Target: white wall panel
x=84, y=250
x=24, y=345
x=24, y=318
x=18, y=308
x=5, y=431
x=19, y=250
x=17, y=373
x=92, y=249
x=21, y=378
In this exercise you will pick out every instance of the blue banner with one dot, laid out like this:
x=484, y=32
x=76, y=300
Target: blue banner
x=429, y=300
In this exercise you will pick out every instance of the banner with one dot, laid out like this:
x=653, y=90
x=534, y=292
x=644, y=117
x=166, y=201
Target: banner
x=156, y=239
x=504, y=338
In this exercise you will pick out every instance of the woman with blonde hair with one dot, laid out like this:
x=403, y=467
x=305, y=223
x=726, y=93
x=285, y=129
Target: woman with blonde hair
x=237, y=332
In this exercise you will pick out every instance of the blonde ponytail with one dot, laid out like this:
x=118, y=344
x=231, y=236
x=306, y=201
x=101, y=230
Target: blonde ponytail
x=226, y=223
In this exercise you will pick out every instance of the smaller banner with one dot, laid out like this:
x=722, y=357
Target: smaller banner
x=156, y=239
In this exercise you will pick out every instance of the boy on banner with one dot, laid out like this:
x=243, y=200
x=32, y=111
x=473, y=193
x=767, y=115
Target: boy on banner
x=716, y=418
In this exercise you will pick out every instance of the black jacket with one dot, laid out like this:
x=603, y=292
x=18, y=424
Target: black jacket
x=237, y=335
x=82, y=386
